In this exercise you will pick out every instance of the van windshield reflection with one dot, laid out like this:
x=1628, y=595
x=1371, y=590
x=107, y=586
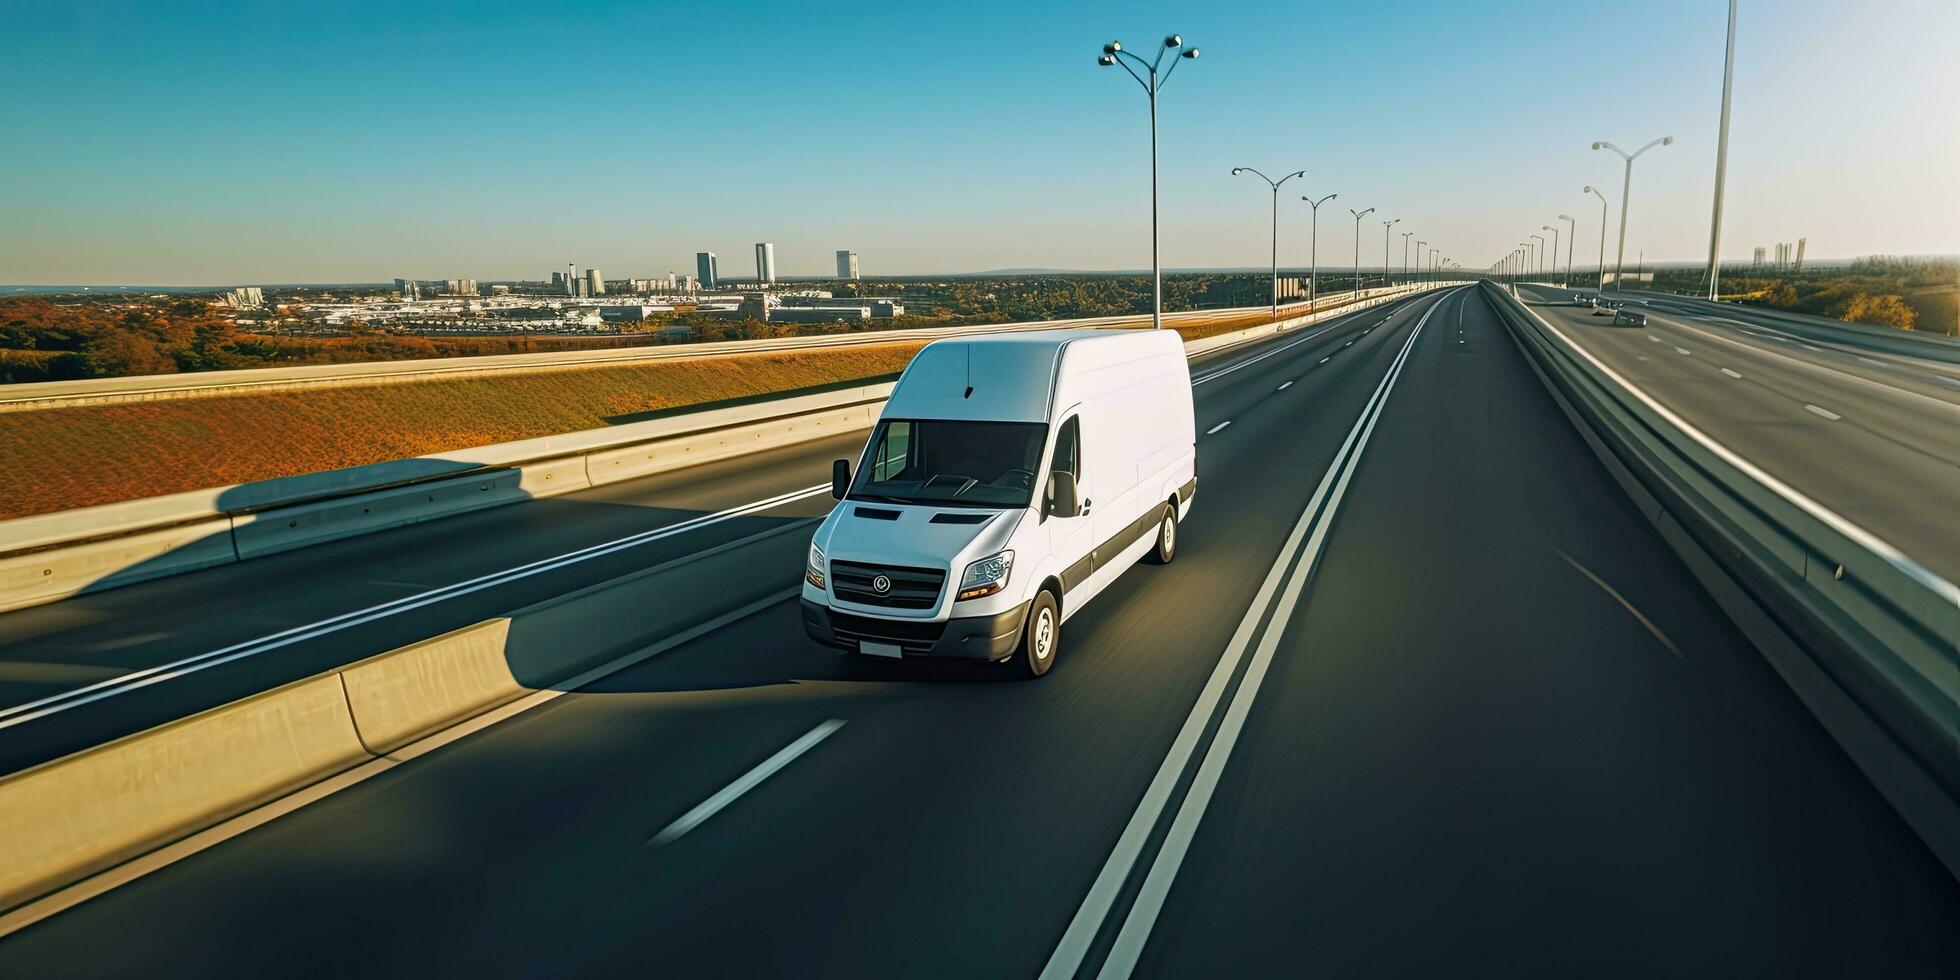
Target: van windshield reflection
x=935, y=461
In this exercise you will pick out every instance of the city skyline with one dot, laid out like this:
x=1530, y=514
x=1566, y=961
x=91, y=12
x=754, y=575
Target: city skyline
x=1040, y=166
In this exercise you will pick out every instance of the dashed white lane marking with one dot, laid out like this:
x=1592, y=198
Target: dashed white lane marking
x=1730, y=373
x=750, y=780
x=1819, y=350
x=1827, y=413
x=1216, y=429
x=1871, y=360
x=1653, y=339
x=1285, y=386
x=1327, y=358
x=1681, y=350
x=1348, y=344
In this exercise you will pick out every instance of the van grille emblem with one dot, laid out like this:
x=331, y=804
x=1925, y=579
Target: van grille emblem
x=882, y=584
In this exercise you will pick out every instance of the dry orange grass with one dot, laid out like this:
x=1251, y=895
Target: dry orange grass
x=57, y=459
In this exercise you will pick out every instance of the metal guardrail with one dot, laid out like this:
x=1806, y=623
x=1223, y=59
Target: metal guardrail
x=52, y=556
x=1868, y=638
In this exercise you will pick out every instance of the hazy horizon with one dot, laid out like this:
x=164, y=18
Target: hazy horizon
x=221, y=145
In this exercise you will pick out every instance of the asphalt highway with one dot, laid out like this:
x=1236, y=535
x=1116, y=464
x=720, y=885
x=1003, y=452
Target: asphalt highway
x=1873, y=436
x=1421, y=695
x=73, y=673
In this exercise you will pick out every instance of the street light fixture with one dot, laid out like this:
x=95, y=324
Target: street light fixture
x=1113, y=54
x=1571, y=232
x=1313, y=251
x=1554, y=232
x=1405, y=255
x=1275, y=185
x=1421, y=250
x=1358, y=215
x=1626, y=187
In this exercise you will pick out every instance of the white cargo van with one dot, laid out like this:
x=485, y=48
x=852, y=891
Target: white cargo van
x=1010, y=479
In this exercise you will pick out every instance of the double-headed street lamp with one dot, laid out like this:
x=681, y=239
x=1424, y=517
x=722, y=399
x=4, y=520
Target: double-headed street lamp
x=1275, y=185
x=1313, y=252
x=1590, y=189
x=1626, y=187
x=1113, y=54
x=1571, y=232
x=1386, y=225
x=1358, y=215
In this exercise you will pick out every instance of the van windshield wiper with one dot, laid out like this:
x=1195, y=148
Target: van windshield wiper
x=884, y=499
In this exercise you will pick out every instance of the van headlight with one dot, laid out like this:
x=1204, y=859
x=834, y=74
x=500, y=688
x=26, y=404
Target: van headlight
x=814, y=573
x=986, y=576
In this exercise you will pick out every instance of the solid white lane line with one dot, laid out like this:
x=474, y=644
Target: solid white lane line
x=749, y=780
x=1285, y=386
x=1827, y=413
x=1216, y=429
x=1730, y=373
x=1123, y=954
x=1081, y=932
x=136, y=679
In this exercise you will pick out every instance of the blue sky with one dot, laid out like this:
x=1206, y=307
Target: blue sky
x=219, y=143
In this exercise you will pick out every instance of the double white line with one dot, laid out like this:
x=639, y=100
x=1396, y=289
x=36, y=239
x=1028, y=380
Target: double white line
x=1311, y=529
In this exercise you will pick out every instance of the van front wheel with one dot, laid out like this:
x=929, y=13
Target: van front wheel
x=1166, y=548
x=1041, y=636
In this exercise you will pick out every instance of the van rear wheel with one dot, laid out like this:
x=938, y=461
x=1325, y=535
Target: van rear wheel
x=1166, y=548
x=1041, y=636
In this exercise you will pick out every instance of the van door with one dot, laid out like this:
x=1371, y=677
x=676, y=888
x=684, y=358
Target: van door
x=1110, y=433
x=1072, y=539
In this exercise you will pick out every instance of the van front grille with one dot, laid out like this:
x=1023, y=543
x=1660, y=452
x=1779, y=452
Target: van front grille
x=911, y=588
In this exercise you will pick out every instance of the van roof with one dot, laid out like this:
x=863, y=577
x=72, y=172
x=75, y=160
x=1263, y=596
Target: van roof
x=1006, y=377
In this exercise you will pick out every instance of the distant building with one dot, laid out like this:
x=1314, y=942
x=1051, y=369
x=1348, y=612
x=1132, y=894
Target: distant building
x=595, y=285
x=409, y=289
x=1758, y=261
x=817, y=314
x=571, y=279
x=765, y=262
x=243, y=298
x=500, y=290
x=557, y=282
x=847, y=264
x=459, y=287
x=704, y=270
x=631, y=313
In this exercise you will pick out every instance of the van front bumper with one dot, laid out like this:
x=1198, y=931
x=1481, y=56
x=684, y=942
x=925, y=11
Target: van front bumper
x=964, y=638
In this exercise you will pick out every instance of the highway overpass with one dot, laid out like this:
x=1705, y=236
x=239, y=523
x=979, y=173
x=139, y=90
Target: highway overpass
x=1425, y=693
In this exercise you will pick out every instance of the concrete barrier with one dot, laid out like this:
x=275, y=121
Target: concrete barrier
x=71, y=818
x=411, y=692
x=52, y=556
x=75, y=816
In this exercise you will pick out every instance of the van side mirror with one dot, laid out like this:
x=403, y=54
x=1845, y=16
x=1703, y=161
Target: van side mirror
x=840, y=478
x=1061, y=499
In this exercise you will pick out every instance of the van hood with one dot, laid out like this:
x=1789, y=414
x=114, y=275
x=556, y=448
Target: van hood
x=914, y=538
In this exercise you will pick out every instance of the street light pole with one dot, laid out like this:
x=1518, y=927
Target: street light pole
x=1313, y=251
x=1420, y=252
x=1405, y=255
x=1275, y=185
x=1554, y=232
x=1541, y=255
x=1626, y=188
x=1721, y=166
x=1386, y=225
x=1358, y=215
x=1571, y=232
x=1602, y=237
x=1113, y=54
x=1432, y=263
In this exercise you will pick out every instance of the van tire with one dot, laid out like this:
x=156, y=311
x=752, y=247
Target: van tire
x=1041, y=637
x=1166, y=547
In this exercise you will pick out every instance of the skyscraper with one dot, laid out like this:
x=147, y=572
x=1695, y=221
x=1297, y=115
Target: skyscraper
x=765, y=262
x=704, y=270
x=847, y=264
x=595, y=285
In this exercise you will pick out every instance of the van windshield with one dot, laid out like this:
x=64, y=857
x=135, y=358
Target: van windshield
x=986, y=464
